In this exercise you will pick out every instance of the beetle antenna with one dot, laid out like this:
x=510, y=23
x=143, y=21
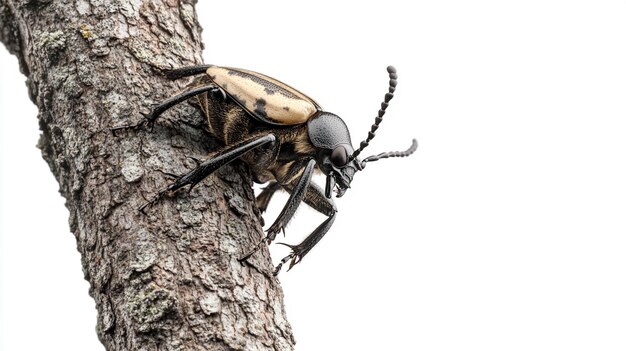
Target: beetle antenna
x=380, y=156
x=393, y=76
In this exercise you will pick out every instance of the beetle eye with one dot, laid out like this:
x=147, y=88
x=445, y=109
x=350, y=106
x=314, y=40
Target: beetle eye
x=339, y=157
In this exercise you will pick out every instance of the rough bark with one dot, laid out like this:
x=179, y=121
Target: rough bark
x=168, y=280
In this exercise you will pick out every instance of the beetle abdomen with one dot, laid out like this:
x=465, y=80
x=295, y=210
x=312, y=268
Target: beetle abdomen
x=266, y=98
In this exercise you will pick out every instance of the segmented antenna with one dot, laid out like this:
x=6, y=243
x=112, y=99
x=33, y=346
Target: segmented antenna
x=382, y=155
x=383, y=106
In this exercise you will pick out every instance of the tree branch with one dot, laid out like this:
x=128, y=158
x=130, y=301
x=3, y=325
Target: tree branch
x=169, y=279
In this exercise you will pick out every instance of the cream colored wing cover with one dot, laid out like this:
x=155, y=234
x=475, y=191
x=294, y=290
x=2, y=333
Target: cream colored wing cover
x=264, y=97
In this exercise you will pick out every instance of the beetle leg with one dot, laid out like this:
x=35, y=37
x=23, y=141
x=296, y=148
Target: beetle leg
x=185, y=71
x=300, y=250
x=263, y=199
x=195, y=159
x=266, y=195
x=171, y=175
x=211, y=165
x=296, y=197
x=315, y=198
x=176, y=176
x=169, y=103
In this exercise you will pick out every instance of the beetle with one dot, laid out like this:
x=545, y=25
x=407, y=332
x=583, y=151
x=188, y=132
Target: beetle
x=283, y=135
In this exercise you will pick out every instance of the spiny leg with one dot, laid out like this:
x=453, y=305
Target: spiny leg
x=212, y=164
x=297, y=194
x=299, y=251
x=169, y=103
x=163, y=106
x=315, y=198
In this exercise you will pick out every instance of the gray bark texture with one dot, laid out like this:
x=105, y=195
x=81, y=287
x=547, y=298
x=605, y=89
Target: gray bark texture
x=170, y=279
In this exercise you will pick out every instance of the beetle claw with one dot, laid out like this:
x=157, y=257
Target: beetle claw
x=254, y=250
x=196, y=160
x=273, y=231
x=293, y=256
x=154, y=199
x=139, y=125
x=283, y=261
x=171, y=175
x=288, y=245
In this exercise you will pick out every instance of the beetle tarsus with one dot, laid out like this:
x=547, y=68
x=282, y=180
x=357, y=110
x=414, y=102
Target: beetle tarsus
x=299, y=251
x=154, y=199
x=169, y=174
x=254, y=249
x=196, y=160
x=192, y=178
x=139, y=125
x=292, y=256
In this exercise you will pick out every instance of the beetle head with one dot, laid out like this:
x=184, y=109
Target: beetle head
x=337, y=158
x=330, y=135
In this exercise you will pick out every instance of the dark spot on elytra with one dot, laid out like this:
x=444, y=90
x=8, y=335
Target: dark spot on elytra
x=259, y=107
x=286, y=108
x=269, y=92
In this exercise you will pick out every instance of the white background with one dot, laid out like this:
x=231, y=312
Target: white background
x=505, y=231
